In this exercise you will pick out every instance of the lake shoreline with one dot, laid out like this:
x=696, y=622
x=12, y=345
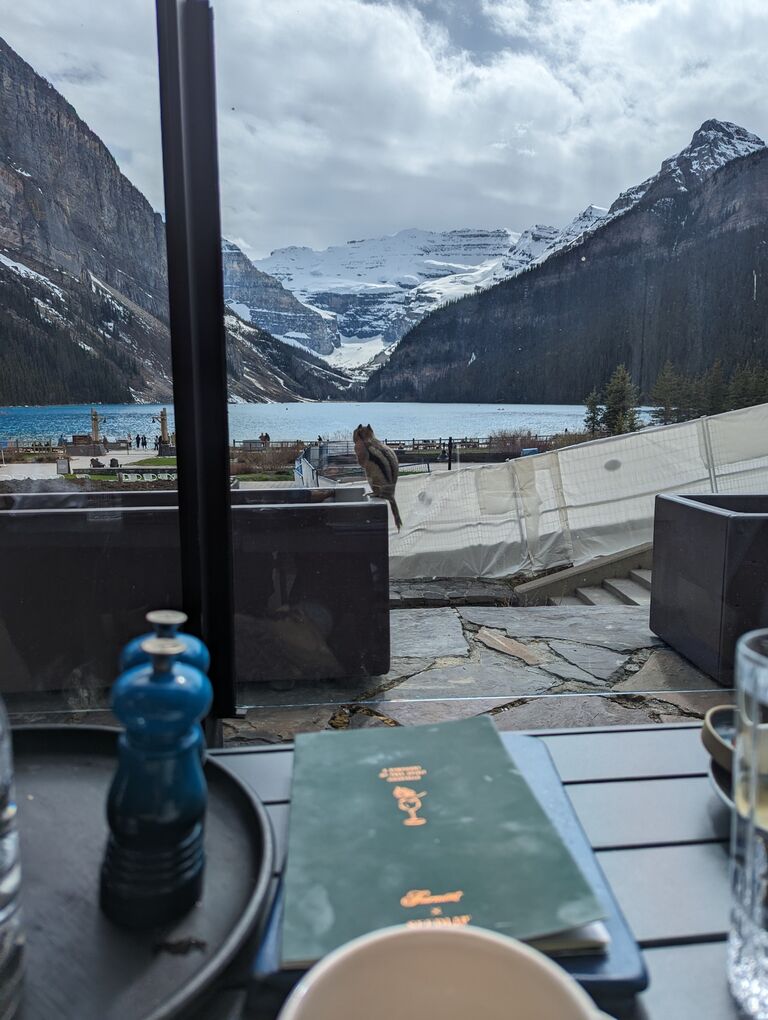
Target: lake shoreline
x=300, y=420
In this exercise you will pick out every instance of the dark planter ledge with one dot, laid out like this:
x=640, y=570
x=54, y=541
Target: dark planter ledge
x=710, y=576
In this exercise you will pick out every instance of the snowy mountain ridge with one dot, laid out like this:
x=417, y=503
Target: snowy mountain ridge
x=716, y=143
x=401, y=260
x=375, y=289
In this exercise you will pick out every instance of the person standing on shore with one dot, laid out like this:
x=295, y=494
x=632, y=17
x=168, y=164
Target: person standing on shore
x=138, y=440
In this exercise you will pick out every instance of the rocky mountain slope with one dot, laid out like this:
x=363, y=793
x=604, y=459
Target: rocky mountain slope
x=676, y=270
x=379, y=288
x=262, y=300
x=83, y=294
x=64, y=201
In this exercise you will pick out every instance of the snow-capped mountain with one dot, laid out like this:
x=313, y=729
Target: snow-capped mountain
x=671, y=272
x=366, y=283
x=379, y=288
x=263, y=301
x=716, y=143
x=529, y=249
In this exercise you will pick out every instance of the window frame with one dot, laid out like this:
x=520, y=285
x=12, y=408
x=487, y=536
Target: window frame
x=198, y=337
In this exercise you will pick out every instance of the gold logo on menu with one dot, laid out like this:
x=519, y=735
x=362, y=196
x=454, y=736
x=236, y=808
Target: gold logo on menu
x=408, y=799
x=424, y=897
x=410, y=802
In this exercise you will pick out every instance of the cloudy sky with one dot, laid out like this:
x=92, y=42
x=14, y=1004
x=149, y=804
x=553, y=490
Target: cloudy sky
x=343, y=119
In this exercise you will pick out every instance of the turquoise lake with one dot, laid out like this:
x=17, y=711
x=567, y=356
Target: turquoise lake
x=332, y=420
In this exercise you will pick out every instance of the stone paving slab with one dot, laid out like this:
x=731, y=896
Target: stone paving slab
x=568, y=671
x=426, y=633
x=419, y=713
x=499, y=642
x=623, y=629
x=695, y=704
x=490, y=675
x=601, y=663
x=575, y=711
x=273, y=726
x=332, y=692
x=668, y=671
x=314, y=692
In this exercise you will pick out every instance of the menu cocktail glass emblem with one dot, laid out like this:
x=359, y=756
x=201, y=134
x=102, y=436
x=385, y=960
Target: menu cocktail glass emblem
x=410, y=802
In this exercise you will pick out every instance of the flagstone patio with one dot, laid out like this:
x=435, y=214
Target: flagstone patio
x=539, y=667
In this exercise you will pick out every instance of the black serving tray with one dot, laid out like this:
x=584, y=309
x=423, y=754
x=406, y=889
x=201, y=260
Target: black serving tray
x=78, y=964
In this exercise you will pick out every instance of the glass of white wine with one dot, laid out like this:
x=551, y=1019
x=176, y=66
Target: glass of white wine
x=748, y=938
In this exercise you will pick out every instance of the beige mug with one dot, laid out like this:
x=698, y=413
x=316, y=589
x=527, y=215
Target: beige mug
x=462, y=973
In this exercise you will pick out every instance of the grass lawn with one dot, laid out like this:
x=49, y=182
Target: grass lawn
x=153, y=462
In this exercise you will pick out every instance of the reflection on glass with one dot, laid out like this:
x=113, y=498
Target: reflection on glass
x=86, y=399
x=311, y=589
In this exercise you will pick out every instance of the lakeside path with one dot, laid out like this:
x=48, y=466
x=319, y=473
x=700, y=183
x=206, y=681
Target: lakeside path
x=15, y=472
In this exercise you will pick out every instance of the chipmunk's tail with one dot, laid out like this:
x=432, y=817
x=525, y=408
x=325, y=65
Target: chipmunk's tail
x=395, y=512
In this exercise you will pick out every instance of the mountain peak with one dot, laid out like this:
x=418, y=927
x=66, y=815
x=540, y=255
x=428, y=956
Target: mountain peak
x=714, y=144
x=719, y=132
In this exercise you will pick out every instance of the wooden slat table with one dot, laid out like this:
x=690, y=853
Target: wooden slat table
x=660, y=834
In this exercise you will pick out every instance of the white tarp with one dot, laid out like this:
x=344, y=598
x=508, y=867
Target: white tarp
x=571, y=505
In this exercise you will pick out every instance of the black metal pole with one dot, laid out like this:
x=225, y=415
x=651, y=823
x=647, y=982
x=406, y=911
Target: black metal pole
x=450, y=452
x=198, y=339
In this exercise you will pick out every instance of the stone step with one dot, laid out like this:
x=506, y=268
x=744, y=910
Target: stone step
x=643, y=577
x=564, y=600
x=630, y=592
x=595, y=596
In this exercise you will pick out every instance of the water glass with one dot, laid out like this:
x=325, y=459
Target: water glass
x=748, y=937
x=11, y=928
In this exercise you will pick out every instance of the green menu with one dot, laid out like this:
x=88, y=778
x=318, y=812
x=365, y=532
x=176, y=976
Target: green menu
x=424, y=826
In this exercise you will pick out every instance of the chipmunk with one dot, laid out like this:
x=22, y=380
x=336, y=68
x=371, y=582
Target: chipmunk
x=380, y=466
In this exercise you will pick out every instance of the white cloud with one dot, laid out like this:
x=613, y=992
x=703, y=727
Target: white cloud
x=347, y=118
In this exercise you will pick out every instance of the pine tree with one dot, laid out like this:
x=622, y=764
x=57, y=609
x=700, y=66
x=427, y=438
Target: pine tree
x=620, y=402
x=665, y=395
x=742, y=388
x=592, y=418
x=631, y=420
x=714, y=390
x=695, y=397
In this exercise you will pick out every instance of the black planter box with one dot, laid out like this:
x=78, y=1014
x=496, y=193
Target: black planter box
x=710, y=576
x=80, y=570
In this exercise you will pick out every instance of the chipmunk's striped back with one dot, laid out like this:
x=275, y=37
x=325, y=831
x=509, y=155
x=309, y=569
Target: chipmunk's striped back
x=380, y=465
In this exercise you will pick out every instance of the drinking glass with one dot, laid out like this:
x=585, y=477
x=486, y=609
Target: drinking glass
x=11, y=928
x=748, y=937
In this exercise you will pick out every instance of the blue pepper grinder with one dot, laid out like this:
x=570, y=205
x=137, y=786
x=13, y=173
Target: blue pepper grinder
x=152, y=871
x=167, y=623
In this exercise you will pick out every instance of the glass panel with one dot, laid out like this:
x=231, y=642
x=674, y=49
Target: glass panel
x=85, y=361
x=79, y=582
x=369, y=204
